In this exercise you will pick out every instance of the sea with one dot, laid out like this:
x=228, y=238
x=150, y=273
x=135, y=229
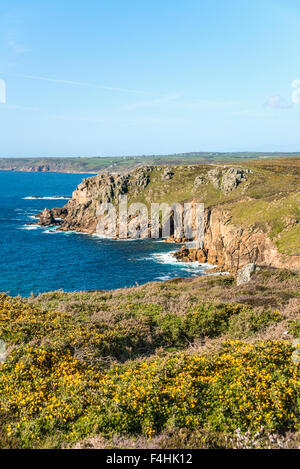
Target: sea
x=38, y=259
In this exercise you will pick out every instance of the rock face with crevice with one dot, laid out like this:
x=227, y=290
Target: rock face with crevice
x=232, y=246
x=80, y=211
x=226, y=243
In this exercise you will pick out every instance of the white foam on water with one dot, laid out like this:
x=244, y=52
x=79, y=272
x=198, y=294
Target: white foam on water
x=100, y=236
x=165, y=258
x=163, y=278
x=168, y=258
x=149, y=258
x=51, y=231
x=52, y=197
x=29, y=227
x=130, y=239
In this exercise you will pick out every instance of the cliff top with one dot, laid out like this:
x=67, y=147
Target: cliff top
x=264, y=193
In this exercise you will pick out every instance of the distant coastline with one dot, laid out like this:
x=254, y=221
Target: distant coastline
x=92, y=173
x=93, y=165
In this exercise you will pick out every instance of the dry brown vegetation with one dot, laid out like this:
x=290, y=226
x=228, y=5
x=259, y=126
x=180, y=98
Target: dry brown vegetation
x=269, y=289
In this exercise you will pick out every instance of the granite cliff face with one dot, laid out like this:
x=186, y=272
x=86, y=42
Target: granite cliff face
x=104, y=188
x=227, y=243
x=231, y=247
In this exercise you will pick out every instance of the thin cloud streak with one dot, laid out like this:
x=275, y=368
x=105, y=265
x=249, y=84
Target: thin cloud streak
x=17, y=47
x=251, y=112
x=21, y=108
x=154, y=103
x=175, y=100
x=78, y=83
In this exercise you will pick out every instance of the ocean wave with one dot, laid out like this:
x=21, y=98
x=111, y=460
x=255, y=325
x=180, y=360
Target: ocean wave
x=51, y=231
x=100, y=236
x=29, y=227
x=163, y=278
x=130, y=239
x=52, y=197
x=168, y=258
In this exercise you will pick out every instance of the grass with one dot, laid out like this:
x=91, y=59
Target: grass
x=288, y=241
x=275, y=213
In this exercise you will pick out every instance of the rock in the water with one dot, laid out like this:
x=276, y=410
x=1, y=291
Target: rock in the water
x=2, y=351
x=190, y=255
x=59, y=212
x=244, y=275
x=46, y=218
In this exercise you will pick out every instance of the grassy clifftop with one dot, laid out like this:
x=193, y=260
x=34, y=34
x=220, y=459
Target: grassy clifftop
x=270, y=198
x=185, y=363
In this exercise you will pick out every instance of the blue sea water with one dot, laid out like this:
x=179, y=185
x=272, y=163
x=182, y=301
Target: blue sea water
x=35, y=259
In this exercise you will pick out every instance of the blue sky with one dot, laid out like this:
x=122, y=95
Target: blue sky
x=133, y=77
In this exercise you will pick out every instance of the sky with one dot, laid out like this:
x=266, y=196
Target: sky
x=108, y=78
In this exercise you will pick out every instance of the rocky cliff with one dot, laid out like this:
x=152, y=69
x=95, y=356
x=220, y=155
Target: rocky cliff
x=251, y=215
x=231, y=246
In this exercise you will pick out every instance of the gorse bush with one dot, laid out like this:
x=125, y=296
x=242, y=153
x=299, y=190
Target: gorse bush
x=46, y=393
x=135, y=329
x=60, y=382
x=203, y=320
x=20, y=323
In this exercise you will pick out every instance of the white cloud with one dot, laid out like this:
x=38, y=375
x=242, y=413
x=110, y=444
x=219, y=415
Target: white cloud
x=278, y=102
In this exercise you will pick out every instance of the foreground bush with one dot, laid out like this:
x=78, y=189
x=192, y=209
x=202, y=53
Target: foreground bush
x=61, y=383
x=134, y=329
x=49, y=397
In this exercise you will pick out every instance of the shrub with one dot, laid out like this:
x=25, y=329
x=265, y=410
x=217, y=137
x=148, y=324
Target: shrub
x=294, y=328
x=249, y=322
x=47, y=394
